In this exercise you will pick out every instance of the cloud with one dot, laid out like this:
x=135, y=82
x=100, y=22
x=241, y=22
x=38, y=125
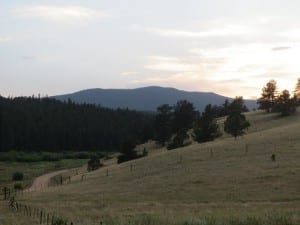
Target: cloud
x=129, y=73
x=28, y=57
x=170, y=64
x=57, y=13
x=281, y=48
x=5, y=39
x=227, y=30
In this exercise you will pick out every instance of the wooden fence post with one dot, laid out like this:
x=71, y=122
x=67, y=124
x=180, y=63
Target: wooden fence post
x=5, y=193
x=41, y=217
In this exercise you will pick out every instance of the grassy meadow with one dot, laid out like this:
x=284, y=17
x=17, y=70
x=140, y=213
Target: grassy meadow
x=227, y=181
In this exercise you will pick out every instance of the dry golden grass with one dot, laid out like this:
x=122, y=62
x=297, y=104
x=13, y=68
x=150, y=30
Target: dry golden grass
x=223, y=178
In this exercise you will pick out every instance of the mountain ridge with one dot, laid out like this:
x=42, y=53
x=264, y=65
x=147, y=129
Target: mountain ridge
x=146, y=98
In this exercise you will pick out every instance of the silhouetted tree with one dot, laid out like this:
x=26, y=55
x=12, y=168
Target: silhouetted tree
x=94, y=163
x=236, y=122
x=268, y=96
x=127, y=150
x=206, y=127
x=285, y=104
x=178, y=140
x=163, y=123
x=183, y=119
x=225, y=107
x=184, y=115
x=297, y=91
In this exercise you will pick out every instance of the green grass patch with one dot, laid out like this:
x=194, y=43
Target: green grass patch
x=34, y=169
x=19, y=156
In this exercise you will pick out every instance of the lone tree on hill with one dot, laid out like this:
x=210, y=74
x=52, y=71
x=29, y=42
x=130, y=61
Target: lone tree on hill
x=206, y=127
x=268, y=96
x=285, y=104
x=236, y=122
x=163, y=124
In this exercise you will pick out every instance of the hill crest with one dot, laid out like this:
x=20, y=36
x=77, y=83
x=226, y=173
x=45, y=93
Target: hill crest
x=146, y=98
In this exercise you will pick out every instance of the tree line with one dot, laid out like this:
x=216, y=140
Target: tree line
x=45, y=124
x=283, y=102
x=176, y=125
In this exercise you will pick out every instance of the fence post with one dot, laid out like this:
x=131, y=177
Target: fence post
x=17, y=207
x=5, y=193
x=41, y=217
x=48, y=219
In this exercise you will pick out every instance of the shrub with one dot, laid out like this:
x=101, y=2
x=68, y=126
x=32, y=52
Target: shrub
x=17, y=176
x=145, y=152
x=18, y=186
x=94, y=163
x=127, y=151
x=273, y=157
x=178, y=141
x=60, y=221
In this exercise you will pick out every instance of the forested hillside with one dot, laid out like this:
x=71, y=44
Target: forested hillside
x=44, y=124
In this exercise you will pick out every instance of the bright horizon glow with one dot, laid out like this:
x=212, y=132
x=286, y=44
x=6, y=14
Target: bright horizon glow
x=229, y=48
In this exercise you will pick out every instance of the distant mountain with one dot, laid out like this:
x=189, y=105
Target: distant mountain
x=146, y=98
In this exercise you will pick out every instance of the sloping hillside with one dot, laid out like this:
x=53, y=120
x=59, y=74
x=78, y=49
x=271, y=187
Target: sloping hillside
x=223, y=178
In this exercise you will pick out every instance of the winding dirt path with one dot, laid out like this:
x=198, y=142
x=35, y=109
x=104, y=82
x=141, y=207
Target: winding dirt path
x=42, y=182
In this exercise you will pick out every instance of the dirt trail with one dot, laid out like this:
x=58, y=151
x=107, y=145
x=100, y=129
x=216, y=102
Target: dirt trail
x=42, y=182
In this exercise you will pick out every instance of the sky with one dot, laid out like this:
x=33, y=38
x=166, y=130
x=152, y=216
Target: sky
x=231, y=47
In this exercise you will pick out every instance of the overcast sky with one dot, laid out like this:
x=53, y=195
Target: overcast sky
x=230, y=47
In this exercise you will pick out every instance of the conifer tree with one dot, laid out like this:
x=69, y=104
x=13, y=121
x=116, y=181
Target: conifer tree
x=236, y=122
x=268, y=96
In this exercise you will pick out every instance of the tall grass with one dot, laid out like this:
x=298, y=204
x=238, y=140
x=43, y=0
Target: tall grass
x=275, y=218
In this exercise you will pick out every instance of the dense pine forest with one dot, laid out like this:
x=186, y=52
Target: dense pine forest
x=44, y=124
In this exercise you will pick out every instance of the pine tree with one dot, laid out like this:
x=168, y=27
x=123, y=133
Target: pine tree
x=268, y=96
x=297, y=91
x=163, y=125
x=285, y=104
x=206, y=127
x=236, y=122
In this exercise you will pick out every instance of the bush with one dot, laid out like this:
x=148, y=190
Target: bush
x=145, y=152
x=127, y=151
x=17, y=176
x=94, y=163
x=60, y=221
x=178, y=141
x=18, y=186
